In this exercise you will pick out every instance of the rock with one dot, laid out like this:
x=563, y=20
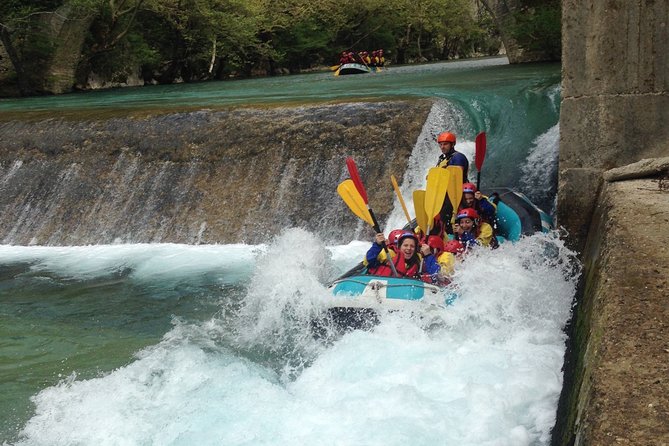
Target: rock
x=642, y=169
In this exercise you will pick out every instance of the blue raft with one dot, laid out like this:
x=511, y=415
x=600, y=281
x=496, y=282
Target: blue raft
x=353, y=68
x=357, y=296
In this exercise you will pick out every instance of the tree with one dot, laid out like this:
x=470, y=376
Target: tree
x=45, y=38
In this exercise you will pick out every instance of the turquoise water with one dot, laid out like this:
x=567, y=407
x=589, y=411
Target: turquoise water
x=433, y=80
x=514, y=104
x=174, y=344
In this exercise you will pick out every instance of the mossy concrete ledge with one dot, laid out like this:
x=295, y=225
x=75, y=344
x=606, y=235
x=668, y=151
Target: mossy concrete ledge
x=616, y=388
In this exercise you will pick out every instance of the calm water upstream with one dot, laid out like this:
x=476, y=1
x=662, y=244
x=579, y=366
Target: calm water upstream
x=160, y=344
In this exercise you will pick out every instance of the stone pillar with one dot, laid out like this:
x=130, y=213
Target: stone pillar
x=615, y=101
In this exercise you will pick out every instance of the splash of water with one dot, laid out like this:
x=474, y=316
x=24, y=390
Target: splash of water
x=540, y=169
x=485, y=372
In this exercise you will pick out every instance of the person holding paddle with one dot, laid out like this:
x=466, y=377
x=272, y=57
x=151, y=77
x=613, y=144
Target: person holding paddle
x=473, y=198
x=406, y=261
x=450, y=157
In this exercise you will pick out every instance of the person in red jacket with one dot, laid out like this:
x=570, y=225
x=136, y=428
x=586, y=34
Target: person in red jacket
x=407, y=261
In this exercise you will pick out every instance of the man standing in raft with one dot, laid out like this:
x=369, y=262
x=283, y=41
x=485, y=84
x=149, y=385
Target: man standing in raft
x=450, y=157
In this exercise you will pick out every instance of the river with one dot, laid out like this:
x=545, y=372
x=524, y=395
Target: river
x=163, y=344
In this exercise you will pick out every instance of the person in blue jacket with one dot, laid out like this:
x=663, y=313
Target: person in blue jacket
x=473, y=198
x=450, y=157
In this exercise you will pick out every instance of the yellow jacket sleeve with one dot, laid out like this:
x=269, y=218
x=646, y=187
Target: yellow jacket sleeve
x=446, y=263
x=485, y=235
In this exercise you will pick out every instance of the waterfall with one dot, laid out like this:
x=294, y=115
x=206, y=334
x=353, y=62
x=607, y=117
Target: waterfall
x=201, y=177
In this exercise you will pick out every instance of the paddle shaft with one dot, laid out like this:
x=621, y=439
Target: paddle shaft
x=355, y=176
x=399, y=195
x=383, y=244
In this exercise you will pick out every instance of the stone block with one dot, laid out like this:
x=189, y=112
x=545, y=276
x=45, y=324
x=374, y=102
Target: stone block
x=614, y=47
x=612, y=131
x=578, y=190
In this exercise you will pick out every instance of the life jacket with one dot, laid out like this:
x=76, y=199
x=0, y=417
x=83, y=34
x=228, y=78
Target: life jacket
x=439, y=227
x=455, y=158
x=400, y=265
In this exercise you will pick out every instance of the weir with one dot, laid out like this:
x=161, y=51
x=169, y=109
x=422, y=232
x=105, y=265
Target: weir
x=200, y=177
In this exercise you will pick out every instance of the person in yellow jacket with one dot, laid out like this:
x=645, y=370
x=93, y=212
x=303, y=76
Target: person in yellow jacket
x=470, y=230
x=446, y=255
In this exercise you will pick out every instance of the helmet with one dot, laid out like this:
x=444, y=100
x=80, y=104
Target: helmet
x=467, y=213
x=454, y=246
x=436, y=242
x=446, y=137
x=406, y=234
x=469, y=188
x=394, y=234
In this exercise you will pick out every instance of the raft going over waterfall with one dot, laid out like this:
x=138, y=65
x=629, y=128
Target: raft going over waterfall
x=516, y=216
x=358, y=295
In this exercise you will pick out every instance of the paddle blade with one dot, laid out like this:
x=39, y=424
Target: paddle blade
x=419, y=207
x=348, y=192
x=480, y=150
x=435, y=191
x=355, y=176
x=335, y=67
x=454, y=186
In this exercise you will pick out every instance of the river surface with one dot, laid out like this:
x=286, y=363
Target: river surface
x=165, y=344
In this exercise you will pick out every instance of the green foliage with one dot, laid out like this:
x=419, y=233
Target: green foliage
x=538, y=27
x=192, y=40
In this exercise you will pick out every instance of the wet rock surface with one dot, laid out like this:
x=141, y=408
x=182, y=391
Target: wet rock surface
x=200, y=177
x=618, y=388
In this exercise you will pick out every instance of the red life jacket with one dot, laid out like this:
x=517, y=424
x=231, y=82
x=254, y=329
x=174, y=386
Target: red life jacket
x=400, y=266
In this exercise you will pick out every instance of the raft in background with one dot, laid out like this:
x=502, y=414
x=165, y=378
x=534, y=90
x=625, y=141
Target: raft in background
x=357, y=296
x=353, y=68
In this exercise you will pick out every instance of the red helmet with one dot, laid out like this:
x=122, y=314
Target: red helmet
x=407, y=234
x=469, y=188
x=446, y=137
x=436, y=242
x=454, y=246
x=467, y=213
x=394, y=234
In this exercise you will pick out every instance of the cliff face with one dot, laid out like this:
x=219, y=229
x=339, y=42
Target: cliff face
x=615, y=111
x=191, y=177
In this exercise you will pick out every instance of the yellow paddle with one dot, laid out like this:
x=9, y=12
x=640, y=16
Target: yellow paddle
x=419, y=207
x=399, y=195
x=335, y=67
x=435, y=193
x=454, y=187
x=362, y=193
x=348, y=192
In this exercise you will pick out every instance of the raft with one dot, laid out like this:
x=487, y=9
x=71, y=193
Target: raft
x=357, y=296
x=354, y=68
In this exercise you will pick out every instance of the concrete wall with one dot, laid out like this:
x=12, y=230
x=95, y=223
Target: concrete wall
x=615, y=111
x=615, y=100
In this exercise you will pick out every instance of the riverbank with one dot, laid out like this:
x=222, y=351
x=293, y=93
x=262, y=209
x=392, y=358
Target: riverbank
x=616, y=386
